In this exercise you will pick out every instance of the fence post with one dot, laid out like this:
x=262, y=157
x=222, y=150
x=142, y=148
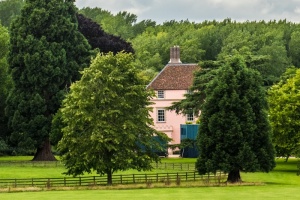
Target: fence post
x=15, y=182
x=121, y=179
x=146, y=178
x=194, y=176
x=48, y=183
x=186, y=176
x=215, y=174
x=94, y=180
x=65, y=181
x=79, y=181
x=32, y=182
x=133, y=179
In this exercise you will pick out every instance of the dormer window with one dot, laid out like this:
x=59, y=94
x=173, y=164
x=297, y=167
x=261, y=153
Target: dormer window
x=160, y=94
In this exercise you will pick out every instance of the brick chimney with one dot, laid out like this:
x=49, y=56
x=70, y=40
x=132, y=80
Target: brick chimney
x=174, y=55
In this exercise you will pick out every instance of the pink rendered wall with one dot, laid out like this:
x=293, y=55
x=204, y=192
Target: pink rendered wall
x=171, y=126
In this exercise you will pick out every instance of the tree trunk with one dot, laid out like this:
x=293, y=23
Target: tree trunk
x=109, y=177
x=234, y=176
x=44, y=152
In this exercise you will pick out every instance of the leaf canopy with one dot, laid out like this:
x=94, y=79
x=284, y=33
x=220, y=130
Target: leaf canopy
x=107, y=122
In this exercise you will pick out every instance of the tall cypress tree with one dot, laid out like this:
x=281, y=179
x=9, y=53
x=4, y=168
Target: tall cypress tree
x=234, y=134
x=47, y=52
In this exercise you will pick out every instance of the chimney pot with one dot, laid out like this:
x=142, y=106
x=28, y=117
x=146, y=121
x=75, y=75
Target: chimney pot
x=175, y=55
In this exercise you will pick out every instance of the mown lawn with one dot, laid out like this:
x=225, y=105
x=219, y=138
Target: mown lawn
x=274, y=192
x=282, y=183
x=45, y=171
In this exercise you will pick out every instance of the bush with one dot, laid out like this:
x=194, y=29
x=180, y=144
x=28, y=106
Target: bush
x=4, y=148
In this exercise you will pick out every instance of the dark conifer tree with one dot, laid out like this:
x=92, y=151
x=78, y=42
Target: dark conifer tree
x=234, y=134
x=47, y=52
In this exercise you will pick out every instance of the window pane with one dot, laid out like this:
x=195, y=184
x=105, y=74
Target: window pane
x=161, y=115
x=190, y=117
x=160, y=94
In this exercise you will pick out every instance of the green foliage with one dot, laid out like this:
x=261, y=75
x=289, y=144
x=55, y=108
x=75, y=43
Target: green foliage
x=107, y=124
x=5, y=81
x=46, y=54
x=235, y=131
x=121, y=24
x=9, y=10
x=273, y=44
x=4, y=148
x=294, y=46
x=195, y=99
x=56, y=128
x=284, y=112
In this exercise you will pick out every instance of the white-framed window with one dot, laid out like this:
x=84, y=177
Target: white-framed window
x=161, y=115
x=160, y=94
x=190, y=117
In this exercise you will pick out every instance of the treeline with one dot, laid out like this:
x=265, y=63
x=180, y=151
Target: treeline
x=271, y=45
x=275, y=45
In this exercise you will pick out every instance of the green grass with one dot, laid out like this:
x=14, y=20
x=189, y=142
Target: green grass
x=28, y=158
x=29, y=171
x=282, y=183
x=212, y=193
x=16, y=158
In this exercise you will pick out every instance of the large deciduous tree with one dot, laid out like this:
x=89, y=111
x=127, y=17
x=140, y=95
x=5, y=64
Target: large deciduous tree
x=234, y=134
x=284, y=111
x=47, y=52
x=107, y=124
x=99, y=41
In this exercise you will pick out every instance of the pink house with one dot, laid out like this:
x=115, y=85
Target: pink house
x=170, y=85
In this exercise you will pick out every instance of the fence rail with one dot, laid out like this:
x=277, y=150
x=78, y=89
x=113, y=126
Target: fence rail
x=117, y=179
x=163, y=166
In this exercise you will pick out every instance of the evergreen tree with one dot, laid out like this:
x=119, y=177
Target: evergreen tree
x=234, y=134
x=47, y=52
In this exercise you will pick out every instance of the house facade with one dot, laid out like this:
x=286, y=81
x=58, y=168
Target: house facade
x=170, y=85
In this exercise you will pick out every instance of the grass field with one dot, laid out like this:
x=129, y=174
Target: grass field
x=29, y=171
x=282, y=183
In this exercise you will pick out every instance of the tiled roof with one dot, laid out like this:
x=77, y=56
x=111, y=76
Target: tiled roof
x=174, y=77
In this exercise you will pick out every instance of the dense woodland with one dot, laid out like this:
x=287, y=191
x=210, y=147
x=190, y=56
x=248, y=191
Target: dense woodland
x=270, y=47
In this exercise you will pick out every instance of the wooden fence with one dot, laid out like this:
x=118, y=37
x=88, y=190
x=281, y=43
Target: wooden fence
x=162, y=166
x=166, y=178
